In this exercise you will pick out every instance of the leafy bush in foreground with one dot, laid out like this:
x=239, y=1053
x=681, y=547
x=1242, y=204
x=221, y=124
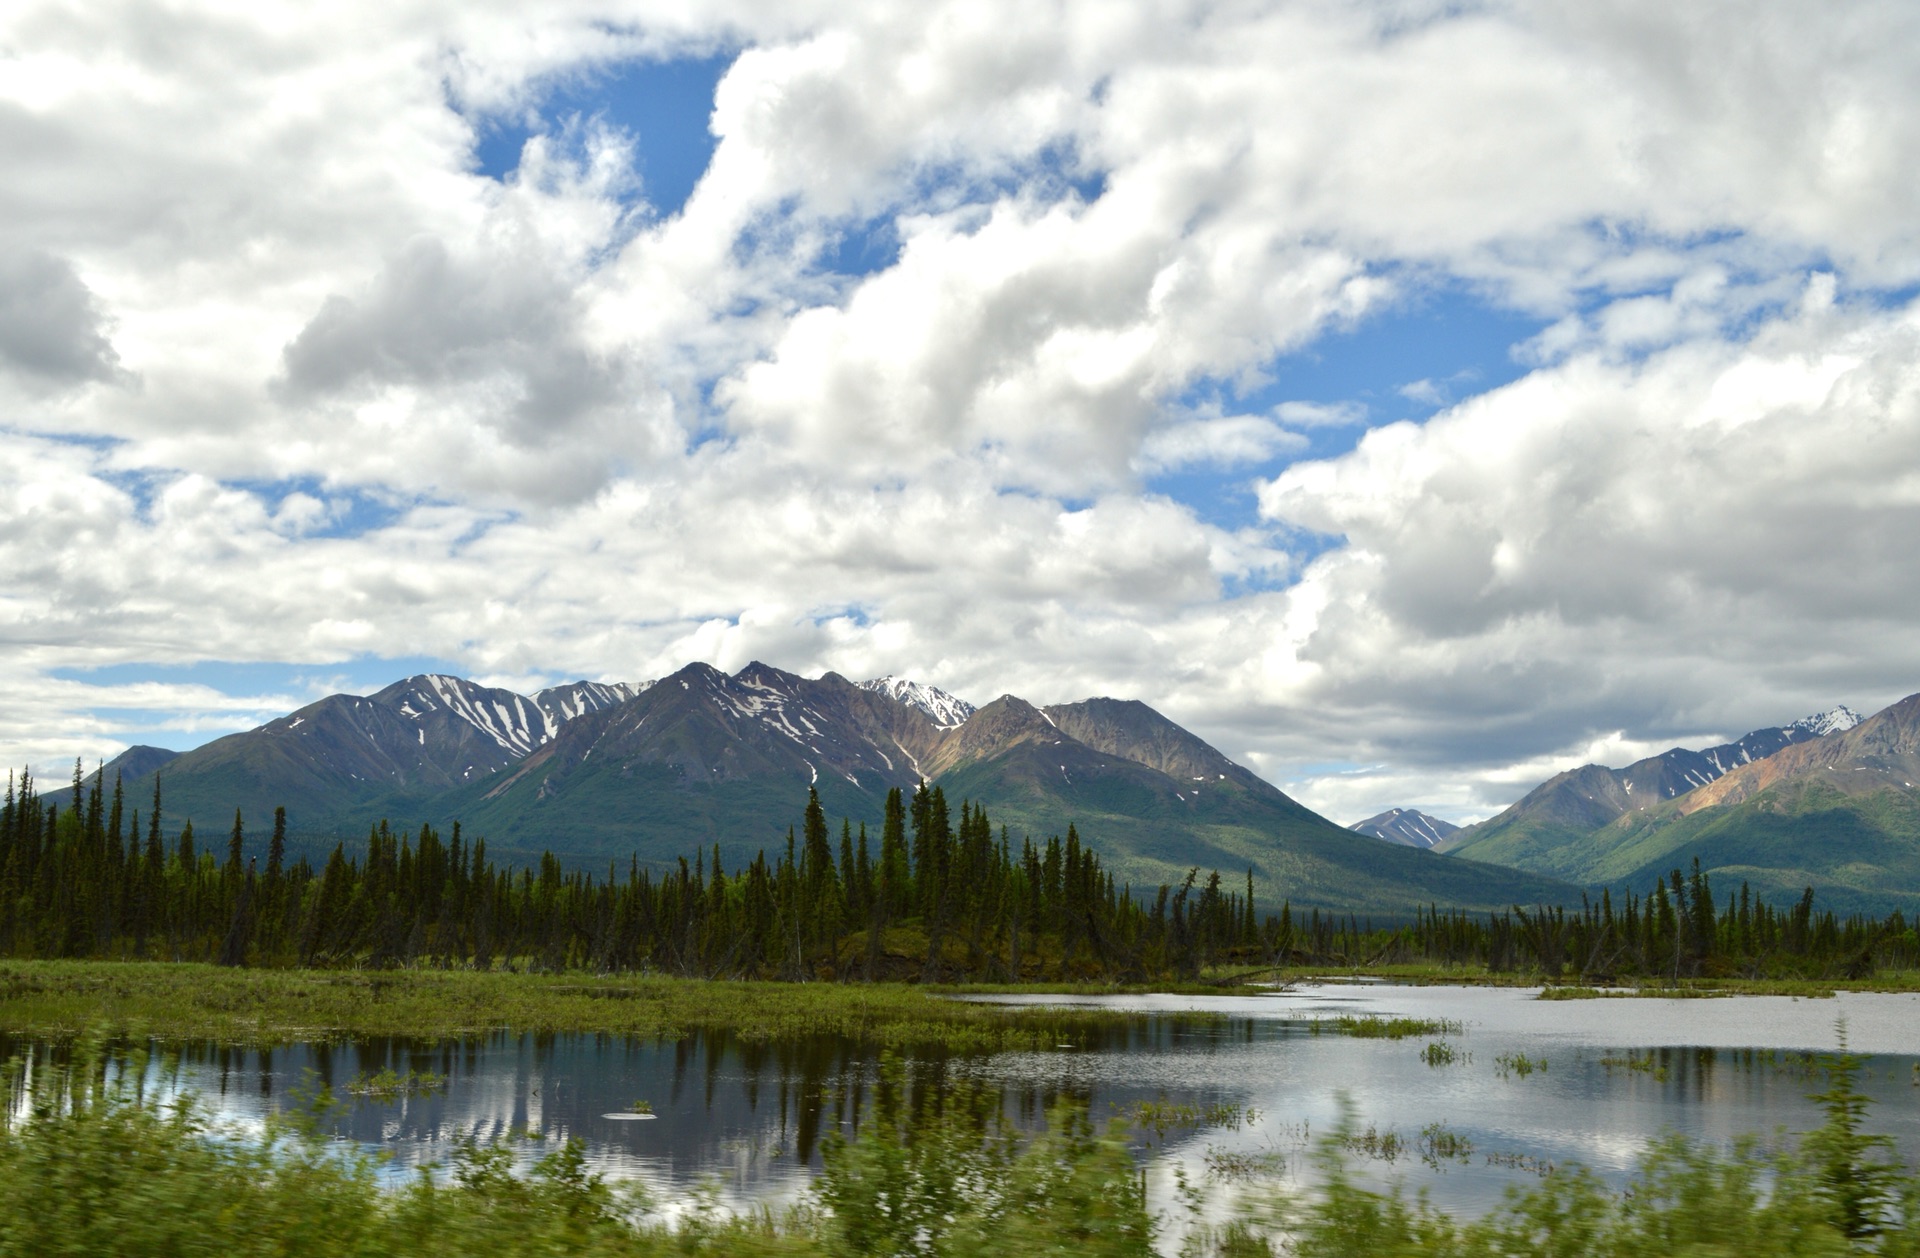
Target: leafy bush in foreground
x=100, y=1173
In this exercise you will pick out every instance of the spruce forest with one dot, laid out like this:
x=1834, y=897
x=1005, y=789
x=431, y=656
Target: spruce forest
x=938, y=901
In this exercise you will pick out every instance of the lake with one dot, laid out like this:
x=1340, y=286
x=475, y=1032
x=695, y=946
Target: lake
x=1523, y=1085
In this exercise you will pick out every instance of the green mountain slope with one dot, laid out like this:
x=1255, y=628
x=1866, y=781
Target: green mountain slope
x=1151, y=828
x=1859, y=852
x=1550, y=830
x=680, y=771
x=1839, y=813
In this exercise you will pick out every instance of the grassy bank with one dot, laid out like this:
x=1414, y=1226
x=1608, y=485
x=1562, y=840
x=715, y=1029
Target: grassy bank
x=59, y=999
x=1692, y=988
x=1480, y=976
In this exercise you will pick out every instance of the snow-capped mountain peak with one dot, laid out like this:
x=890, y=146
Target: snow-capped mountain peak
x=948, y=711
x=1408, y=827
x=1820, y=724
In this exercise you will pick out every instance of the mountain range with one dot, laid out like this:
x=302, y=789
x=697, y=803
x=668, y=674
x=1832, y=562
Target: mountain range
x=1840, y=814
x=1827, y=802
x=1551, y=822
x=601, y=772
x=661, y=770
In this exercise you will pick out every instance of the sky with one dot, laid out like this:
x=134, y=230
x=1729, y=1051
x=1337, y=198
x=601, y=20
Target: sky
x=1412, y=399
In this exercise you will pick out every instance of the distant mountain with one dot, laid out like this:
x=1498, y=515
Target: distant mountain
x=1883, y=747
x=1408, y=827
x=1546, y=831
x=1131, y=729
x=348, y=758
x=700, y=758
x=135, y=762
x=1151, y=826
x=1839, y=813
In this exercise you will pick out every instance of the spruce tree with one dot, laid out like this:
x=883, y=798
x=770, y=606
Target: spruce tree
x=277, y=849
x=896, y=875
x=235, y=842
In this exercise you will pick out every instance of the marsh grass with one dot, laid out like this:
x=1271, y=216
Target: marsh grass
x=1708, y=988
x=1526, y=1162
x=1284, y=1148
x=1507, y=1065
x=385, y=1085
x=1436, y=1145
x=60, y=1000
x=1373, y=1027
x=1162, y=1116
x=1424, y=975
x=1642, y=1063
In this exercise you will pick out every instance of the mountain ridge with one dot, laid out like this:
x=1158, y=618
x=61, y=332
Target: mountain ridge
x=1837, y=812
x=1534, y=831
x=702, y=758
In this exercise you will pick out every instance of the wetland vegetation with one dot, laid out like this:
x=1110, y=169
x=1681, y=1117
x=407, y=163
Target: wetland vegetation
x=113, y=939
x=939, y=899
x=90, y=1167
x=180, y=1001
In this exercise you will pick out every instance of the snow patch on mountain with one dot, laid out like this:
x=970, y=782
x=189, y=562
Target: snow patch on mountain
x=517, y=723
x=763, y=693
x=1820, y=724
x=565, y=702
x=1408, y=827
x=511, y=720
x=948, y=711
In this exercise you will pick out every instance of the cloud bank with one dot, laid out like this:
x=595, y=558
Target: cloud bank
x=955, y=359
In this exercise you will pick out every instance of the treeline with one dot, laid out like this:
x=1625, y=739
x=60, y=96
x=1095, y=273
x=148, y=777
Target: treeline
x=1675, y=931
x=937, y=899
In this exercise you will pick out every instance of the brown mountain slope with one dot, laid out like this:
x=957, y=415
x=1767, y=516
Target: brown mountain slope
x=1881, y=752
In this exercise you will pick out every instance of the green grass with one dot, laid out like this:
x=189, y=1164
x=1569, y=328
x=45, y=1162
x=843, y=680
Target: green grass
x=386, y=1085
x=1412, y=973
x=1421, y=974
x=64, y=999
x=1691, y=988
x=1508, y=1065
x=1374, y=1027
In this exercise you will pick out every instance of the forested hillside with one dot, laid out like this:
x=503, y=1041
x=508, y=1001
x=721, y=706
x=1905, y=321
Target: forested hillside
x=932, y=897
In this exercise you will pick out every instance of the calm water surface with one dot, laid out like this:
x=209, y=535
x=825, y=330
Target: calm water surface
x=744, y=1121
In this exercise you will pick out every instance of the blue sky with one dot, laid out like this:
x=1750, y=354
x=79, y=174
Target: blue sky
x=662, y=106
x=1450, y=341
